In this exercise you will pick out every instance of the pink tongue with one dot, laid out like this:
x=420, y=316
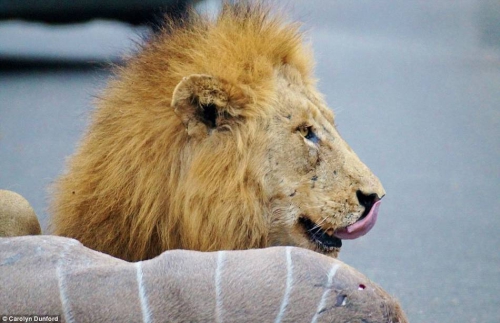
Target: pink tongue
x=360, y=228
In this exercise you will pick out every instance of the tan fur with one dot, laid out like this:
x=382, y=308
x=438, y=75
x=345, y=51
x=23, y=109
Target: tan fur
x=17, y=217
x=153, y=174
x=48, y=275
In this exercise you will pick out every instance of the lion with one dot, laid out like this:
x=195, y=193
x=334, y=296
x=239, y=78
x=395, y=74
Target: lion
x=17, y=217
x=214, y=137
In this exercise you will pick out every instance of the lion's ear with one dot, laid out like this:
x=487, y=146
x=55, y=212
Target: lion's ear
x=205, y=103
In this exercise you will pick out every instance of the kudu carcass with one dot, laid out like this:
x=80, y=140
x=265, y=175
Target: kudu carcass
x=59, y=276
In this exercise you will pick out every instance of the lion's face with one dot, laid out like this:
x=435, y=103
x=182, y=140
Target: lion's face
x=316, y=184
x=312, y=188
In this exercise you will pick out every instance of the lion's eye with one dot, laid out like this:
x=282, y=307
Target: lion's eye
x=308, y=133
x=304, y=131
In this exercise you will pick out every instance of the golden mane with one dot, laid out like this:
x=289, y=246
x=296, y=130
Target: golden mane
x=138, y=184
x=243, y=45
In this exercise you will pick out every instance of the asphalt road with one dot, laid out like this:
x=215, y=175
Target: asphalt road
x=416, y=89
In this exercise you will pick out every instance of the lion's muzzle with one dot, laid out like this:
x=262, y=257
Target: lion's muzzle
x=367, y=220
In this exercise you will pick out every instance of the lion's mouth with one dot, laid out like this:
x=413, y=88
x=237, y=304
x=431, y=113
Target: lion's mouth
x=325, y=241
x=328, y=240
x=361, y=227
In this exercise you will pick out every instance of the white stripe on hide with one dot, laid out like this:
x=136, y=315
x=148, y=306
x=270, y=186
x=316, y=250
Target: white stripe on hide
x=328, y=287
x=61, y=283
x=146, y=314
x=289, y=283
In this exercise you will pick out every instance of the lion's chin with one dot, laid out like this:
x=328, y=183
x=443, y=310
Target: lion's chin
x=323, y=241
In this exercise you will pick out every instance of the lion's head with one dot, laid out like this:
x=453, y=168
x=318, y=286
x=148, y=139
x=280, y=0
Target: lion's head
x=215, y=137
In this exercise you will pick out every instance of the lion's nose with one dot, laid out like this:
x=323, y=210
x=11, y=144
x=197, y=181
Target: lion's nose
x=367, y=200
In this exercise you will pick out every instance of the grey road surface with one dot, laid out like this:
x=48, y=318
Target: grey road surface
x=416, y=90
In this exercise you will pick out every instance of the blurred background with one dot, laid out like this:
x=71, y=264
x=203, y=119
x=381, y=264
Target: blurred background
x=415, y=86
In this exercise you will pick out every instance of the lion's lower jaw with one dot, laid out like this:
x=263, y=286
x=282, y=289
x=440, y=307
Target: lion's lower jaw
x=331, y=252
x=335, y=253
x=305, y=243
